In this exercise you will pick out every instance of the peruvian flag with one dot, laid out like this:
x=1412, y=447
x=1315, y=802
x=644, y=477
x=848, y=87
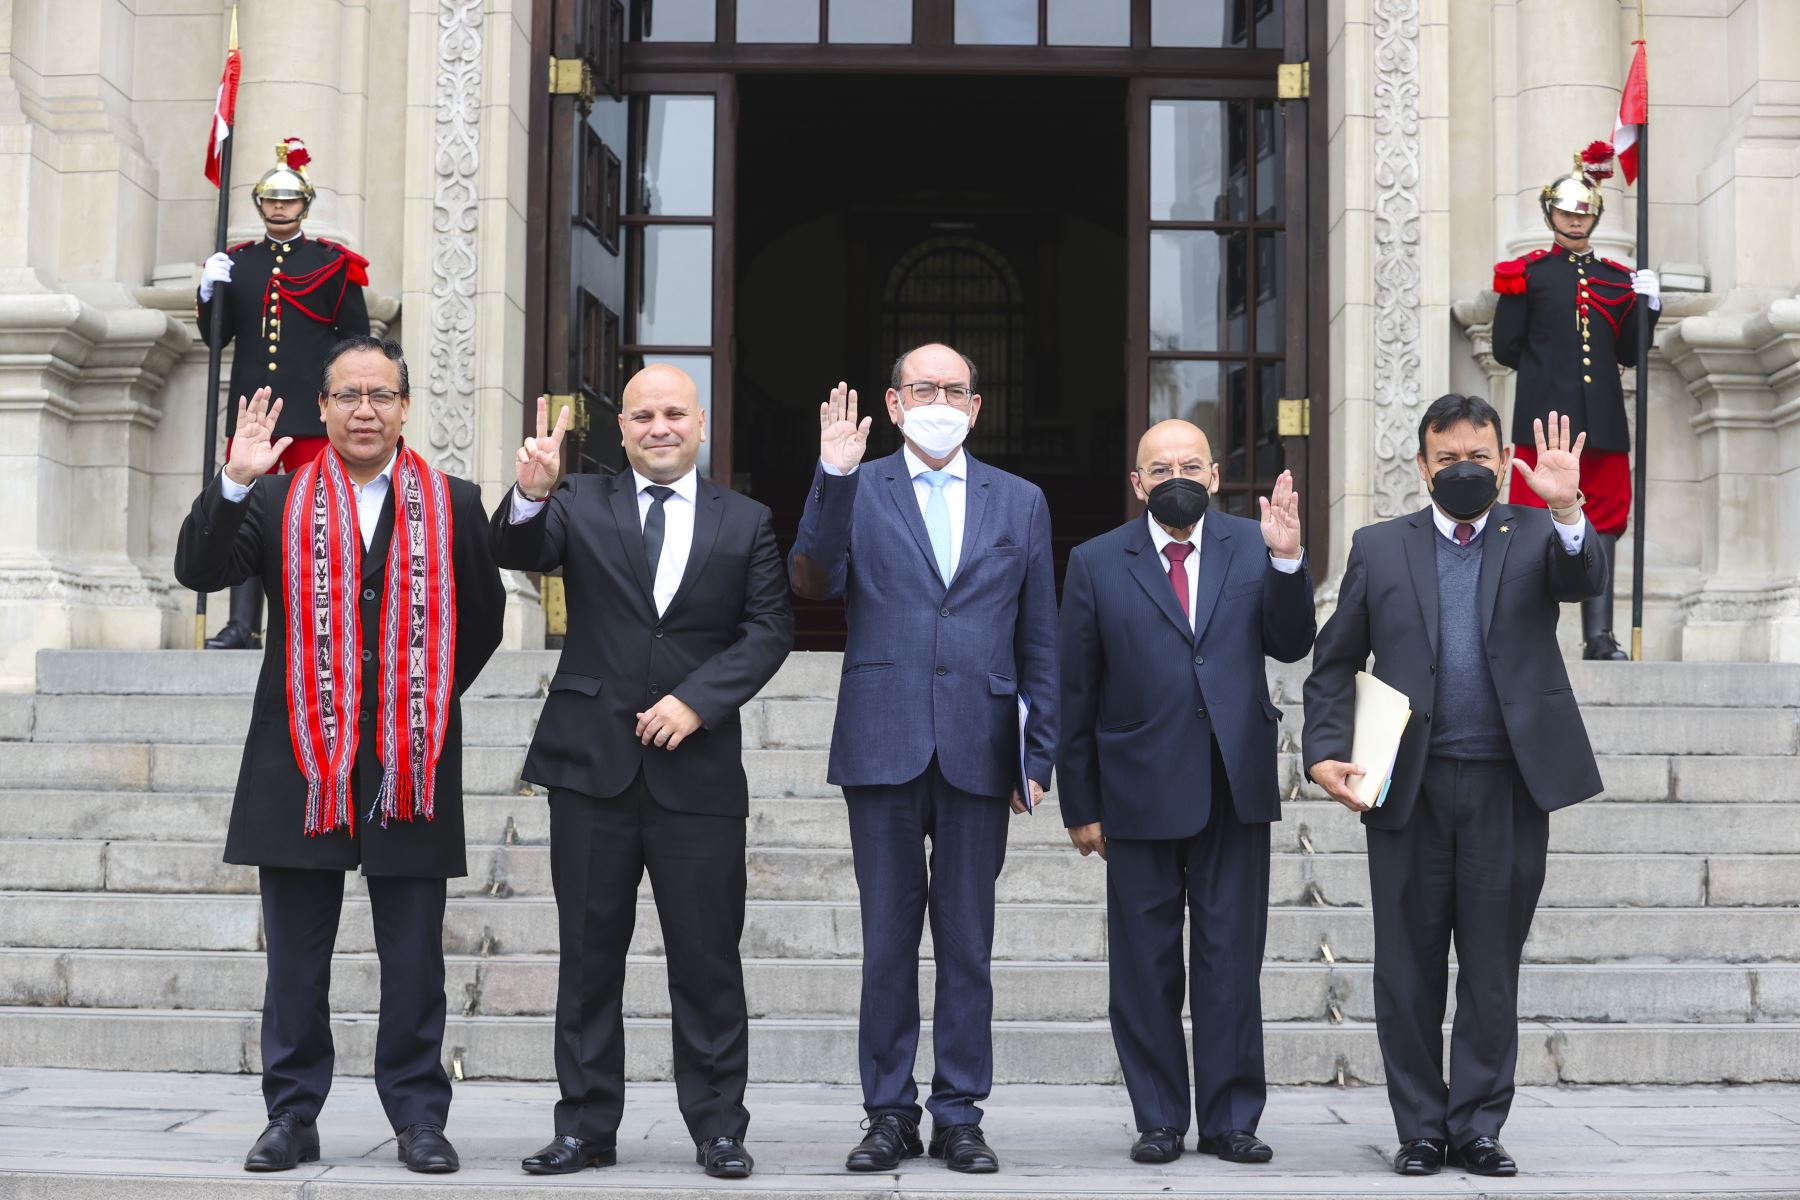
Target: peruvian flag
x=1634, y=110
x=224, y=109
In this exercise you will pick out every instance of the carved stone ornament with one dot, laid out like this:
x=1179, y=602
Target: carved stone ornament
x=456, y=162
x=1398, y=269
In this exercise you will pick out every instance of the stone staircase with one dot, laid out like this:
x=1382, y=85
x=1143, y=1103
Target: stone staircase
x=1666, y=950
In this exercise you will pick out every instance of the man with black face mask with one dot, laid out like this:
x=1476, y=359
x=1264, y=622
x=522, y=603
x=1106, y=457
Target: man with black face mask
x=1457, y=844
x=1167, y=771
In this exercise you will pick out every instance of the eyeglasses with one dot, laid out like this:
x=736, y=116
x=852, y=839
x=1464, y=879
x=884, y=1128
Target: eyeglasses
x=1163, y=472
x=381, y=400
x=923, y=391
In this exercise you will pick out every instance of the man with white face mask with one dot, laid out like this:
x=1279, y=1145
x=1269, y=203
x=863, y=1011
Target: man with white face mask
x=944, y=565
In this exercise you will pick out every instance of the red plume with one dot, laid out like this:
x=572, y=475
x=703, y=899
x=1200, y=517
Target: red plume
x=1597, y=161
x=297, y=156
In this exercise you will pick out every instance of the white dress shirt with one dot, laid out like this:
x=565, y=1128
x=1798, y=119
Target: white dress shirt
x=1571, y=536
x=369, y=497
x=956, y=493
x=678, y=529
x=1160, y=537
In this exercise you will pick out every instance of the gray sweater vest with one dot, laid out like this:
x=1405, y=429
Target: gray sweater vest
x=1465, y=719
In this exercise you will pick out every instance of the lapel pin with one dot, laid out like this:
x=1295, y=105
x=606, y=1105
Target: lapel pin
x=1506, y=529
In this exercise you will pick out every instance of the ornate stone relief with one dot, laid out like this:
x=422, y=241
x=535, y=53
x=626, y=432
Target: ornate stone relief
x=456, y=161
x=1398, y=270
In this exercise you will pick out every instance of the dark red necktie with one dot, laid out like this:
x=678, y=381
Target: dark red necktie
x=1465, y=533
x=1177, y=553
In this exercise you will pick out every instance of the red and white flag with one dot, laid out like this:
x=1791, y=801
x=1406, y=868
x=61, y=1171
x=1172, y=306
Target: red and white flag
x=1634, y=110
x=224, y=107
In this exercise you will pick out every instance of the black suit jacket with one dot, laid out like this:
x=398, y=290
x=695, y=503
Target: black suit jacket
x=724, y=635
x=1144, y=697
x=1388, y=607
x=224, y=543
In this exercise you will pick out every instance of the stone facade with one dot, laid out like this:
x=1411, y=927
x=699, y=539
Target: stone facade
x=416, y=114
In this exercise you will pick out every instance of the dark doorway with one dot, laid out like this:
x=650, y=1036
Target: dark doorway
x=874, y=213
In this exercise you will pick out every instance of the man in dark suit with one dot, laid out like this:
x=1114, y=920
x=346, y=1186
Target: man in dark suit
x=1458, y=604
x=1167, y=771
x=678, y=616
x=288, y=300
x=944, y=565
x=370, y=593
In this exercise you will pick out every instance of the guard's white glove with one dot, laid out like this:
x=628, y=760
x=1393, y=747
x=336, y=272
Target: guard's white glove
x=1646, y=284
x=217, y=270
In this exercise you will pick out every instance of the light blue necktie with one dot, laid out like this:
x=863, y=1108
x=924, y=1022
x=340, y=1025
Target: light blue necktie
x=937, y=519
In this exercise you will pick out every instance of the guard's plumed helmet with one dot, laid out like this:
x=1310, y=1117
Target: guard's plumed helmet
x=286, y=180
x=1579, y=190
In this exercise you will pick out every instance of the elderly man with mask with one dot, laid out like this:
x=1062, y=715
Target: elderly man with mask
x=1168, y=772
x=1457, y=603
x=678, y=614
x=945, y=569
x=384, y=605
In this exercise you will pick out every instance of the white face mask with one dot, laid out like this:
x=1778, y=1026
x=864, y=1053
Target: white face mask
x=937, y=429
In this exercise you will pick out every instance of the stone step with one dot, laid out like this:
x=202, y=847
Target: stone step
x=524, y=674
x=825, y=1051
x=1606, y=827
x=789, y=873
x=807, y=723
x=525, y=985
x=817, y=929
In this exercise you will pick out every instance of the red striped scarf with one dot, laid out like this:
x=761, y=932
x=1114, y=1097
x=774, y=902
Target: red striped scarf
x=322, y=554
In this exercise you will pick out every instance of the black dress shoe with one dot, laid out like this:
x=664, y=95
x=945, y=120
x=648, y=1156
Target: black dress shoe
x=724, y=1158
x=566, y=1155
x=425, y=1149
x=1237, y=1146
x=286, y=1142
x=1604, y=647
x=1483, y=1156
x=1157, y=1146
x=235, y=636
x=963, y=1149
x=1419, y=1156
x=890, y=1138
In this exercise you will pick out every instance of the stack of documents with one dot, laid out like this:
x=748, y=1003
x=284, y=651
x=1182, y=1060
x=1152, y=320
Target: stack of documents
x=1381, y=716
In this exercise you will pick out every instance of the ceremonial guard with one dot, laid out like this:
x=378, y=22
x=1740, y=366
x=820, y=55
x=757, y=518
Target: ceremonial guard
x=1566, y=323
x=288, y=299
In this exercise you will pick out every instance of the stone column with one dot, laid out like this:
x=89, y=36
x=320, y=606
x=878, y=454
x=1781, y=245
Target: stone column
x=464, y=286
x=1388, y=95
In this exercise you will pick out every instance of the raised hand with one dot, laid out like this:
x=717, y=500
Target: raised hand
x=1281, y=518
x=1557, y=477
x=540, y=458
x=254, y=447
x=842, y=439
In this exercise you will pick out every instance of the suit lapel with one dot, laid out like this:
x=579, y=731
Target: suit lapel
x=631, y=532
x=1496, y=538
x=900, y=490
x=975, y=506
x=375, y=556
x=1215, y=561
x=1147, y=569
x=1421, y=560
x=709, y=514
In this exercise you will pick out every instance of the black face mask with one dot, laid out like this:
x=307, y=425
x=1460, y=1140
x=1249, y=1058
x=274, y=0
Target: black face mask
x=1465, y=490
x=1178, y=502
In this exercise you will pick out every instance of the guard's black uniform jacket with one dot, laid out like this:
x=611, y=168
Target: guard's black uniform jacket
x=287, y=304
x=1567, y=323
x=224, y=543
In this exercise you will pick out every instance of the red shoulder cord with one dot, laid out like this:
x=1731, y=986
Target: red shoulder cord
x=290, y=288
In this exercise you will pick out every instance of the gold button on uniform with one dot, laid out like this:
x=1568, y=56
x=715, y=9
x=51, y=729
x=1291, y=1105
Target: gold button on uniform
x=275, y=270
x=1587, y=362
x=278, y=258
x=271, y=366
x=1587, y=379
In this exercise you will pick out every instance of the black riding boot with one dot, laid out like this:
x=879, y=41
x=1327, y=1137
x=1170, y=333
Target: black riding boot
x=244, y=630
x=1597, y=612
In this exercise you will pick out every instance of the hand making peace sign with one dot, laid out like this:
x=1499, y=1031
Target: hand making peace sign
x=540, y=458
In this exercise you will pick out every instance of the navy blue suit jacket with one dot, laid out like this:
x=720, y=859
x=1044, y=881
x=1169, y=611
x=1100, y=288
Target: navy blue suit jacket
x=928, y=668
x=1144, y=697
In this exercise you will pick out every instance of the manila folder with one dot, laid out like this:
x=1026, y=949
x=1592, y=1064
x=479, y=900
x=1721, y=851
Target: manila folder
x=1381, y=716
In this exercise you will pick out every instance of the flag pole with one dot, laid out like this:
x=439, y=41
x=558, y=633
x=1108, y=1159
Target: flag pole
x=1642, y=315
x=216, y=348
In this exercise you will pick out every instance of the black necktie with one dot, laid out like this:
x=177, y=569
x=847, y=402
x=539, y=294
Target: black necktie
x=654, y=520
